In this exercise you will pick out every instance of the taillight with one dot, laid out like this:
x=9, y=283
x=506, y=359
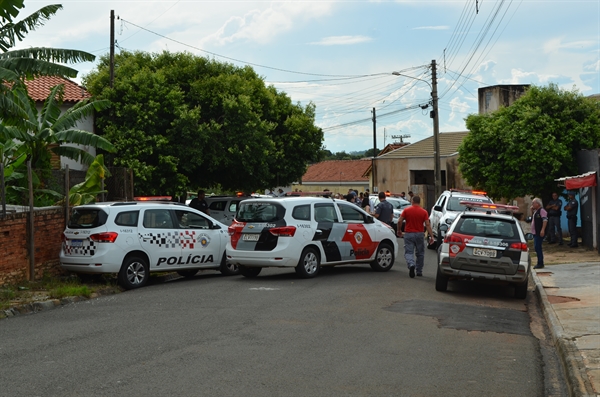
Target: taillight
x=284, y=231
x=108, y=237
x=519, y=246
x=456, y=243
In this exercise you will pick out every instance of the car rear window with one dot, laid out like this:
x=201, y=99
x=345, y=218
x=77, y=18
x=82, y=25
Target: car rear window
x=301, y=212
x=128, y=218
x=217, y=205
x=454, y=203
x=260, y=212
x=87, y=218
x=487, y=227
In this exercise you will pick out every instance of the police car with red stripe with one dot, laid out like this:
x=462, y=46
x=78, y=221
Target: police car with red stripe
x=133, y=239
x=485, y=243
x=306, y=233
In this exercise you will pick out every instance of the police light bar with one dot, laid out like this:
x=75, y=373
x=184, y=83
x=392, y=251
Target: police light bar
x=152, y=198
x=489, y=206
x=479, y=192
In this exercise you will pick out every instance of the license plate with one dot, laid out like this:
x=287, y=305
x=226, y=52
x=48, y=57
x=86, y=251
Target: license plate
x=484, y=252
x=76, y=243
x=250, y=237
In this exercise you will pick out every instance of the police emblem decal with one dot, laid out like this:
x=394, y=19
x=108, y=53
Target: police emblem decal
x=358, y=237
x=203, y=240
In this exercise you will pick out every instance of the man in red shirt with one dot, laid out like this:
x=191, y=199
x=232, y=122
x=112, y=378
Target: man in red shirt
x=414, y=236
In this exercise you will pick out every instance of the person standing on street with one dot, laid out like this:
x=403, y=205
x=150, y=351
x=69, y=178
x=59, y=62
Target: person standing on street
x=199, y=203
x=539, y=221
x=571, y=208
x=554, y=212
x=414, y=244
x=384, y=211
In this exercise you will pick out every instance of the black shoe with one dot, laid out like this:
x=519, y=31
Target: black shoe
x=561, y=243
x=538, y=266
x=411, y=272
x=419, y=274
x=551, y=242
x=574, y=246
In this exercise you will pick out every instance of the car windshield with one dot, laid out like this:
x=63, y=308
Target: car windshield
x=454, y=203
x=398, y=203
x=487, y=227
x=87, y=218
x=259, y=212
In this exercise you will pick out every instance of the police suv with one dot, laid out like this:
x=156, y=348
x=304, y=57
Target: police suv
x=448, y=206
x=133, y=239
x=485, y=243
x=306, y=233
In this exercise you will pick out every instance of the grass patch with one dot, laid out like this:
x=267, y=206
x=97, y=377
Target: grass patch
x=54, y=287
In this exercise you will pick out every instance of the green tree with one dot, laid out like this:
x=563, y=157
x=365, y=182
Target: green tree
x=50, y=131
x=183, y=122
x=519, y=150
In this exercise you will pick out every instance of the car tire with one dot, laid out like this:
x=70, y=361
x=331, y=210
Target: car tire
x=441, y=281
x=384, y=258
x=309, y=263
x=188, y=273
x=228, y=269
x=521, y=290
x=249, y=272
x=134, y=273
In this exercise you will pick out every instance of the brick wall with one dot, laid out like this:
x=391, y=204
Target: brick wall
x=49, y=224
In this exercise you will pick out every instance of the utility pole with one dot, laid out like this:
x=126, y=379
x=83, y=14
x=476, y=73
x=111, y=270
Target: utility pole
x=373, y=173
x=436, y=132
x=112, y=48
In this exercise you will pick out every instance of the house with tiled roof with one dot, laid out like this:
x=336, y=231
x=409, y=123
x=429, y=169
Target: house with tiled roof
x=335, y=175
x=411, y=167
x=39, y=88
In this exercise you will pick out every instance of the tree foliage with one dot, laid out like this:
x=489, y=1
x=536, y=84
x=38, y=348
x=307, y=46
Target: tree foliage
x=183, y=122
x=519, y=150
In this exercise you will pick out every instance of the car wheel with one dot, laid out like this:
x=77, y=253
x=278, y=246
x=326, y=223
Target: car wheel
x=228, y=269
x=384, y=258
x=521, y=290
x=441, y=281
x=187, y=273
x=309, y=263
x=249, y=271
x=134, y=273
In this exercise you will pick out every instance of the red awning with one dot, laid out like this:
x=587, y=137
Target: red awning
x=579, y=181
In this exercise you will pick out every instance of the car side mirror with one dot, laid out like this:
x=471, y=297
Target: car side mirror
x=443, y=230
x=215, y=226
x=369, y=219
x=528, y=236
x=437, y=208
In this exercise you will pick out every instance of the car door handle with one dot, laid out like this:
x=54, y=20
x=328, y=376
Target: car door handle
x=349, y=231
x=318, y=231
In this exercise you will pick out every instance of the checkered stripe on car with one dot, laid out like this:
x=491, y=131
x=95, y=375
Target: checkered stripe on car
x=170, y=239
x=85, y=250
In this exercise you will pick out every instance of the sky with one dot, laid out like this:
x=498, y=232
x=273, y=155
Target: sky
x=350, y=57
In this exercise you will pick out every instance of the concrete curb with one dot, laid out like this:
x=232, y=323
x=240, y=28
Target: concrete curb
x=49, y=304
x=578, y=381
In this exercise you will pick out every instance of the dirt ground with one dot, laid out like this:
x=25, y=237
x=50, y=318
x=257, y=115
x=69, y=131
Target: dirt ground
x=555, y=254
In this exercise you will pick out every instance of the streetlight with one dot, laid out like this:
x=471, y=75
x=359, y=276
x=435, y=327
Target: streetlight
x=436, y=126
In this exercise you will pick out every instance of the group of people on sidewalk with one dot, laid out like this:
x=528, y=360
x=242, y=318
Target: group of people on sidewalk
x=545, y=223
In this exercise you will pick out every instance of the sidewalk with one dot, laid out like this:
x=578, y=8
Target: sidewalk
x=570, y=299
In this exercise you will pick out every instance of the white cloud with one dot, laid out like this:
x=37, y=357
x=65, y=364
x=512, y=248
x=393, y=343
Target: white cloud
x=342, y=40
x=556, y=44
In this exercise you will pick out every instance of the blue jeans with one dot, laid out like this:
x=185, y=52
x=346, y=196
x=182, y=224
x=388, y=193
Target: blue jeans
x=414, y=242
x=537, y=244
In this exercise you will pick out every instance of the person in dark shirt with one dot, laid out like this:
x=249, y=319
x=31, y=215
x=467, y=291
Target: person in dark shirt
x=553, y=208
x=571, y=208
x=384, y=211
x=199, y=203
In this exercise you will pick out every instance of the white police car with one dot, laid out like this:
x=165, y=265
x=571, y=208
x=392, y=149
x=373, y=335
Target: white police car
x=485, y=246
x=133, y=239
x=306, y=233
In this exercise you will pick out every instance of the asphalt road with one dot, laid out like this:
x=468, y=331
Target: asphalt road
x=348, y=332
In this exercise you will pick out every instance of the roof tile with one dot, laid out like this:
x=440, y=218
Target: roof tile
x=39, y=89
x=449, y=143
x=337, y=171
